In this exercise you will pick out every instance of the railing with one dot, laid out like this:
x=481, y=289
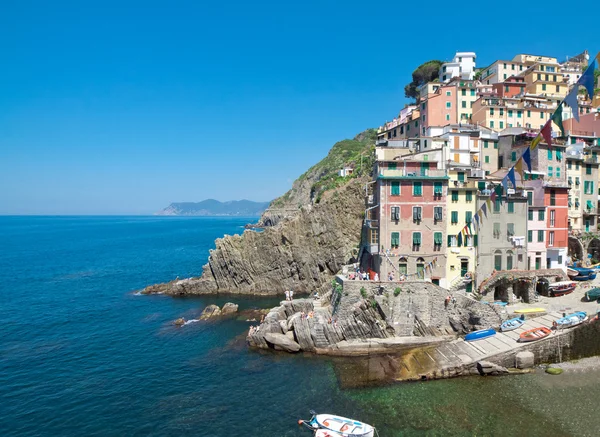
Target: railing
x=412, y=173
x=590, y=211
x=583, y=133
x=462, y=184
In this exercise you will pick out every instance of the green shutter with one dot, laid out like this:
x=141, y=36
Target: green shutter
x=529, y=236
x=437, y=238
x=416, y=238
x=395, y=188
x=549, y=154
x=541, y=214
x=437, y=188
x=395, y=239
x=449, y=240
x=417, y=189
x=455, y=196
x=469, y=196
x=461, y=176
x=511, y=207
x=468, y=217
x=392, y=165
x=454, y=217
x=475, y=240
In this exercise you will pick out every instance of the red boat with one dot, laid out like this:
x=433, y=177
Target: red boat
x=561, y=288
x=534, y=334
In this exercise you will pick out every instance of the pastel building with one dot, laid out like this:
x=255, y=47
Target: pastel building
x=446, y=103
x=499, y=71
x=582, y=178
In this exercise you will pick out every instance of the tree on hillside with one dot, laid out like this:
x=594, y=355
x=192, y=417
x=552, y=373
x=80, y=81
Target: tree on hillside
x=424, y=73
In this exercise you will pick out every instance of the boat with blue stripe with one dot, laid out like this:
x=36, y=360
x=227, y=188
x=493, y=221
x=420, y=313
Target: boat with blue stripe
x=571, y=320
x=480, y=335
x=512, y=324
x=331, y=425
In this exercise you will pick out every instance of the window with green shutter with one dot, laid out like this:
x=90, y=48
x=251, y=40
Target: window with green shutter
x=528, y=113
x=492, y=112
x=497, y=205
x=416, y=238
x=437, y=188
x=475, y=240
x=519, y=113
x=469, y=196
x=492, y=123
x=473, y=93
x=588, y=169
x=501, y=112
x=529, y=236
x=395, y=188
x=487, y=159
x=495, y=145
x=513, y=156
x=468, y=217
x=463, y=92
x=550, y=171
x=454, y=217
x=496, y=230
x=549, y=154
x=510, y=112
x=461, y=176
x=529, y=198
x=541, y=215
x=437, y=238
x=502, y=124
x=454, y=196
x=530, y=215
x=557, y=172
x=392, y=165
x=485, y=144
x=540, y=237
x=395, y=239
x=417, y=189
x=511, y=207
x=510, y=229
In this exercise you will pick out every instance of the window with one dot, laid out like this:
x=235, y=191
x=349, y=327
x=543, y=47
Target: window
x=395, y=188
x=420, y=267
x=511, y=207
x=529, y=198
x=392, y=165
x=558, y=88
x=510, y=112
x=550, y=171
x=437, y=238
x=551, y=238
x=529, y=236
x=513, y=156
x=510, y=229
x=472, y=93
x=469, y=196
x=558, y=172
x=374, y=236
x=506, y=88
x=485, y=144
x=395, y=241
x=448, y=105
x=501, y=124
x=497, y=204
x=468, y=217
x=528, y=113
x=549, y=154
x=492, y=123
x=448, y=93
x=530, y=215
x=496, y=230
x=437, y=213
x=543, y=87
x=487, y=159
x=577, y=165
x=454, y=196
x=395, y=213
x=437, y=188
x=552, y=198
x=552, y=217
x=416, y=239
x=519, y=113
x=447, y=117
x=454, y=217
x=498, y=262
x=576, y=181
x=588, y=169
x=464, y=104
x=469, y=241
x=541, y=215
x=461, y=176
x=452, y=241
x=542, y=114
x=509, y=261
x=464, y=92
x=491, y=112
x=417, y=188
x=403, y=267
x=540, y=237
x=588, y=187
x=501, y=112
x=495, y=145
x=417, y=214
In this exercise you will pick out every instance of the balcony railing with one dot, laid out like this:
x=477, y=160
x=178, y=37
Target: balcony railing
x=418, y=173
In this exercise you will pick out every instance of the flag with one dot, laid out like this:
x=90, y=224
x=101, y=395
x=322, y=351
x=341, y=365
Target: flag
x=571, y=100
x=587, y=79
x=535, y=142
x=470, y=230
x=476, y=218
x=459, y=239
x=505, y=182
x=519, y=166
x=547, y=133
x=527, y=158
x=493, y=196
x=498, y=190
x=466, y=230
x=486, y=207
x=511, y=177
x=557, y=119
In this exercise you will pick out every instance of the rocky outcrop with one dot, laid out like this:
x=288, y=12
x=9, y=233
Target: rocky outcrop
x=229, y=308
x=302, y=253
x=179, y=322
x=210, y=311
x=282, y=342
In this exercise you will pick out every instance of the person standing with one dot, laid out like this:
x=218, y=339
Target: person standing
x=287, y=295
x=291, y=295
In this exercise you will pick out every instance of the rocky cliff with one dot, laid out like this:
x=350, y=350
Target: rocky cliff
x=302, y=253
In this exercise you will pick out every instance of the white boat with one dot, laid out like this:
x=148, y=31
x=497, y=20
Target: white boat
x=330, y=425
x=572, y=272
x=571, y=320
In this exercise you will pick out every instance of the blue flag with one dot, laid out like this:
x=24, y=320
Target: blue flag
x=511, y=177
x=571, y=100
x=587, y=79
x=527, y=158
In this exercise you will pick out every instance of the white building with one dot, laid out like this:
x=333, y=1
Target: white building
x=462, y=66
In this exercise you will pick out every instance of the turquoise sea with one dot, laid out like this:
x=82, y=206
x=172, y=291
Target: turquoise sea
x=82, y=354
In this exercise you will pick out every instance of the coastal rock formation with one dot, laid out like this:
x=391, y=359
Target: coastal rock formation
x=210, y=311
x=229, y=308
x=179, y=322
x=282, y=342
x=302, y=253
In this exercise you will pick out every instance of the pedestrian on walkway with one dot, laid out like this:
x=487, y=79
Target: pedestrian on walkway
x=287, y=295
x=291, y=294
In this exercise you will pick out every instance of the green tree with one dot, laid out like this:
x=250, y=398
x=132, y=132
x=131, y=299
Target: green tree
x=424, y=73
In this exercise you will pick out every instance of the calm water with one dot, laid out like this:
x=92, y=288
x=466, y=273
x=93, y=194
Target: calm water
x=80, y=354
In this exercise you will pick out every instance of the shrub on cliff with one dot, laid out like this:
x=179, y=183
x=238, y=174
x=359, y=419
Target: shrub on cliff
x=424, y=73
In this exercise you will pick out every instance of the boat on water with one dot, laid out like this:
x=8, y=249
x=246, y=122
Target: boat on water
x=512, y=324
x=561, y=288
x=326, y=425
x=584, y=274
x=571, y=273
x=593, y=294
x=530, y=310
x=571, y=320
x=480, y=335
x=534, y=334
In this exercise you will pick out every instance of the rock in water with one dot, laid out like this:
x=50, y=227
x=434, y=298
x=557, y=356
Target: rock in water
x=179, y=322
x=487, y=368
x=210, y=311
x=554, y=370
x=524, y=360
x=229, y=308
x=282, y=342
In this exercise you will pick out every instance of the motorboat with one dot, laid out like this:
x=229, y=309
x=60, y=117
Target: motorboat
x=571, y=320
x=534, y=334
x=512, y=324
x=593, y=294
x=325, y=425
x=561, y=288
x=584, y=274
x=480, y=335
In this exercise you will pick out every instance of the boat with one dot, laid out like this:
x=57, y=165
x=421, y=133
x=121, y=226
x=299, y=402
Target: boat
x=331, y=425
x=512, y=324
x=584, y=274
x=561, y=288
x=479, y=335
x=572, y=272
x=571, y=320
x=593, y=294
x=499, y=303
x=530, y=310
x=534, y=334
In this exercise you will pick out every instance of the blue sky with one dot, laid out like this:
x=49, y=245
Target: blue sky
x=123, y=107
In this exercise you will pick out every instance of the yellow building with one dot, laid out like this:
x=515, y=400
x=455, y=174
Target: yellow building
x=461, y=207
x=545, y=79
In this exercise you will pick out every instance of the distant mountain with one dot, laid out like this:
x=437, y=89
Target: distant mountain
x=214, y=207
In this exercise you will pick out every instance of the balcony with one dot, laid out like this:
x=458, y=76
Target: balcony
x=590, y=211
x=463, y=184
x=414, y=174
x=381, y=142
x=372, y=223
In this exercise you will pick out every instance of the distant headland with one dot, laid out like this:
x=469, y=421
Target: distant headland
x=212, y=207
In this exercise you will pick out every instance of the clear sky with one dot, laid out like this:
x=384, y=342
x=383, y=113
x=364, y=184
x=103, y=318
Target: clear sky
x=122, y=107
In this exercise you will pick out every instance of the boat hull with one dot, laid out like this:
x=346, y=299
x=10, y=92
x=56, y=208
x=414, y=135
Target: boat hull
x=534, y=334
x=331, y=425
x=512, y=324
x=593, y=294
x=571, y=320
x=558, y=289
x=480, y=335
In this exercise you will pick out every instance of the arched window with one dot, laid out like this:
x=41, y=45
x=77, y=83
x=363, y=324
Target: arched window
x=403, y=265
x=420, y=268
x=498, y=260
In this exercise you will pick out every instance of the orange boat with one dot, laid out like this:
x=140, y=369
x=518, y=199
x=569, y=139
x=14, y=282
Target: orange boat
x=534, y=334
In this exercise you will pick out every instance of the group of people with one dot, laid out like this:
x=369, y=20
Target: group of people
x=289, y=295
x=304, y=316
x=449, y=299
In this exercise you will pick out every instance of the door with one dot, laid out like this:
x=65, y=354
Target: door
x=587, y=226
x=538, y=263
x=464, y=268
x=421, y=271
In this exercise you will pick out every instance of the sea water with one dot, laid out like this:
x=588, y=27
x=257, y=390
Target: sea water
x=82, y=354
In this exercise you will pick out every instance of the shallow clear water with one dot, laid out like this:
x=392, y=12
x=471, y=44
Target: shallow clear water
x=81, y=354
